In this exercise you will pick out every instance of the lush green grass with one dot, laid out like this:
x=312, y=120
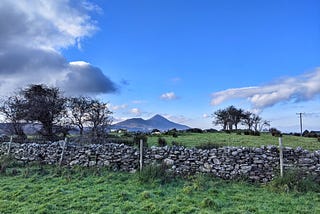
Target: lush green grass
x=49, y=190
x=233, y=139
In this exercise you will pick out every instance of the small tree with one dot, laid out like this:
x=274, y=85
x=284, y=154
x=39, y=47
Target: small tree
x=247, y=119
x=11, y=110
x=98, y=118
x=235, y=115
x=78, y=108
x=221, y=117
x=229, y=117
x=43, y=104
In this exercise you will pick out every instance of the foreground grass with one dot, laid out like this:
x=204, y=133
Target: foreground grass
x=233, y=139
x=48, y=190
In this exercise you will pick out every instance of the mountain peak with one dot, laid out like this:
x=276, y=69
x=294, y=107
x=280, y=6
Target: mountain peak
x=157, y=117
x=156, y=122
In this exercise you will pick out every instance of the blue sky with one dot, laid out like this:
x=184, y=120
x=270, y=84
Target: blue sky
x=186, y=59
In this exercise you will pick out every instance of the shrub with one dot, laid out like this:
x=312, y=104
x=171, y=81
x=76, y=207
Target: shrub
x=171, y=132
x=312, y=134
x=194, y=130
x=162, y=142
x=227, y=131
x=305, y=133
x=275, y=132
x=256, y=133
x=155, y=173
x=175, y=143
x=175, y=134
x=209, y=203
x=296, y=180
x=140, y=136
x=246, y=132
x=211, y=130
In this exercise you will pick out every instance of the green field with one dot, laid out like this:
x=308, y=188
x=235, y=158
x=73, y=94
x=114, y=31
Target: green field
x=233, y=139
x=49, y=190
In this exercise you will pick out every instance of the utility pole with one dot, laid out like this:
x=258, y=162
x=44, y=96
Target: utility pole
x=300, y=115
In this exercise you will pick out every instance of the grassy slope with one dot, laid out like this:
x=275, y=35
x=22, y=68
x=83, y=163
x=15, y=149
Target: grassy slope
x=224, y=139
x=123, y=193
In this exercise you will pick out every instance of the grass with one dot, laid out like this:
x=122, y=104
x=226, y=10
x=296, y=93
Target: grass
x=45, y=189
x=233, y=139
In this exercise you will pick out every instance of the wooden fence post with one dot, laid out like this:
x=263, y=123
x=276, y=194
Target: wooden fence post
x=9, y=147
x=141, y=154
x=62, y=153
x=281, y=156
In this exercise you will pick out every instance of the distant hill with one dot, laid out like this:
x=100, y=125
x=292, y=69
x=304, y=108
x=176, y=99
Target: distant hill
x=156, y=122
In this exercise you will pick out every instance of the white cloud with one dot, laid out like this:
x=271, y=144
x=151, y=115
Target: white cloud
x=299, y=88
x=168, y=96
x=32, y=34
x=136, y=111
x=205, y=116
x=45, y=24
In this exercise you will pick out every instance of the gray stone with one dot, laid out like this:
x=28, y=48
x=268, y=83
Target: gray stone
x=168, y=161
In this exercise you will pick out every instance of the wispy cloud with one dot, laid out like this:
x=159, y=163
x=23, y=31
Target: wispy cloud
x=118, y=107
x=139, y=101
x=175, y=80
x=177, y=118
x=168, y=96
x=32, y=35
x=296, y=89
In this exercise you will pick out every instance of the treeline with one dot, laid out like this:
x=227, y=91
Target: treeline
x=56, y=114
x=230, y=118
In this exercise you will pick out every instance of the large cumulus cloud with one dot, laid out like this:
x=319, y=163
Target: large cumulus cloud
x=32, y=35
x=296, y=89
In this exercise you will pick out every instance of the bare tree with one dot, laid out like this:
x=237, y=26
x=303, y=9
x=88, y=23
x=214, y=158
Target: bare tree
x=12, y=112
x=262, y=124
x=98, y=119
x=79, y=111
x=247, y=119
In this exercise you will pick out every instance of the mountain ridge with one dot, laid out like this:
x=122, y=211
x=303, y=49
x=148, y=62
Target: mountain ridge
x=156, y=122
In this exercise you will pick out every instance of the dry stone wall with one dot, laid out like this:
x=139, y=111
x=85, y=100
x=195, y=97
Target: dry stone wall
x=257, y=164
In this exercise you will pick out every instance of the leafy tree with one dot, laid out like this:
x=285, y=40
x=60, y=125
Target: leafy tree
x=235, y=115
x=221, y=117
x=228, y=117
x=231, y=116
x=43, y=104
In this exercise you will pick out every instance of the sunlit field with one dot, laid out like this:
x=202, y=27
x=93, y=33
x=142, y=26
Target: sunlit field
x=40, y=189
x=233, y=139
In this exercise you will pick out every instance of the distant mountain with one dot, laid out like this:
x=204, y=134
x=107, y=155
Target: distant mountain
x=156, y=122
